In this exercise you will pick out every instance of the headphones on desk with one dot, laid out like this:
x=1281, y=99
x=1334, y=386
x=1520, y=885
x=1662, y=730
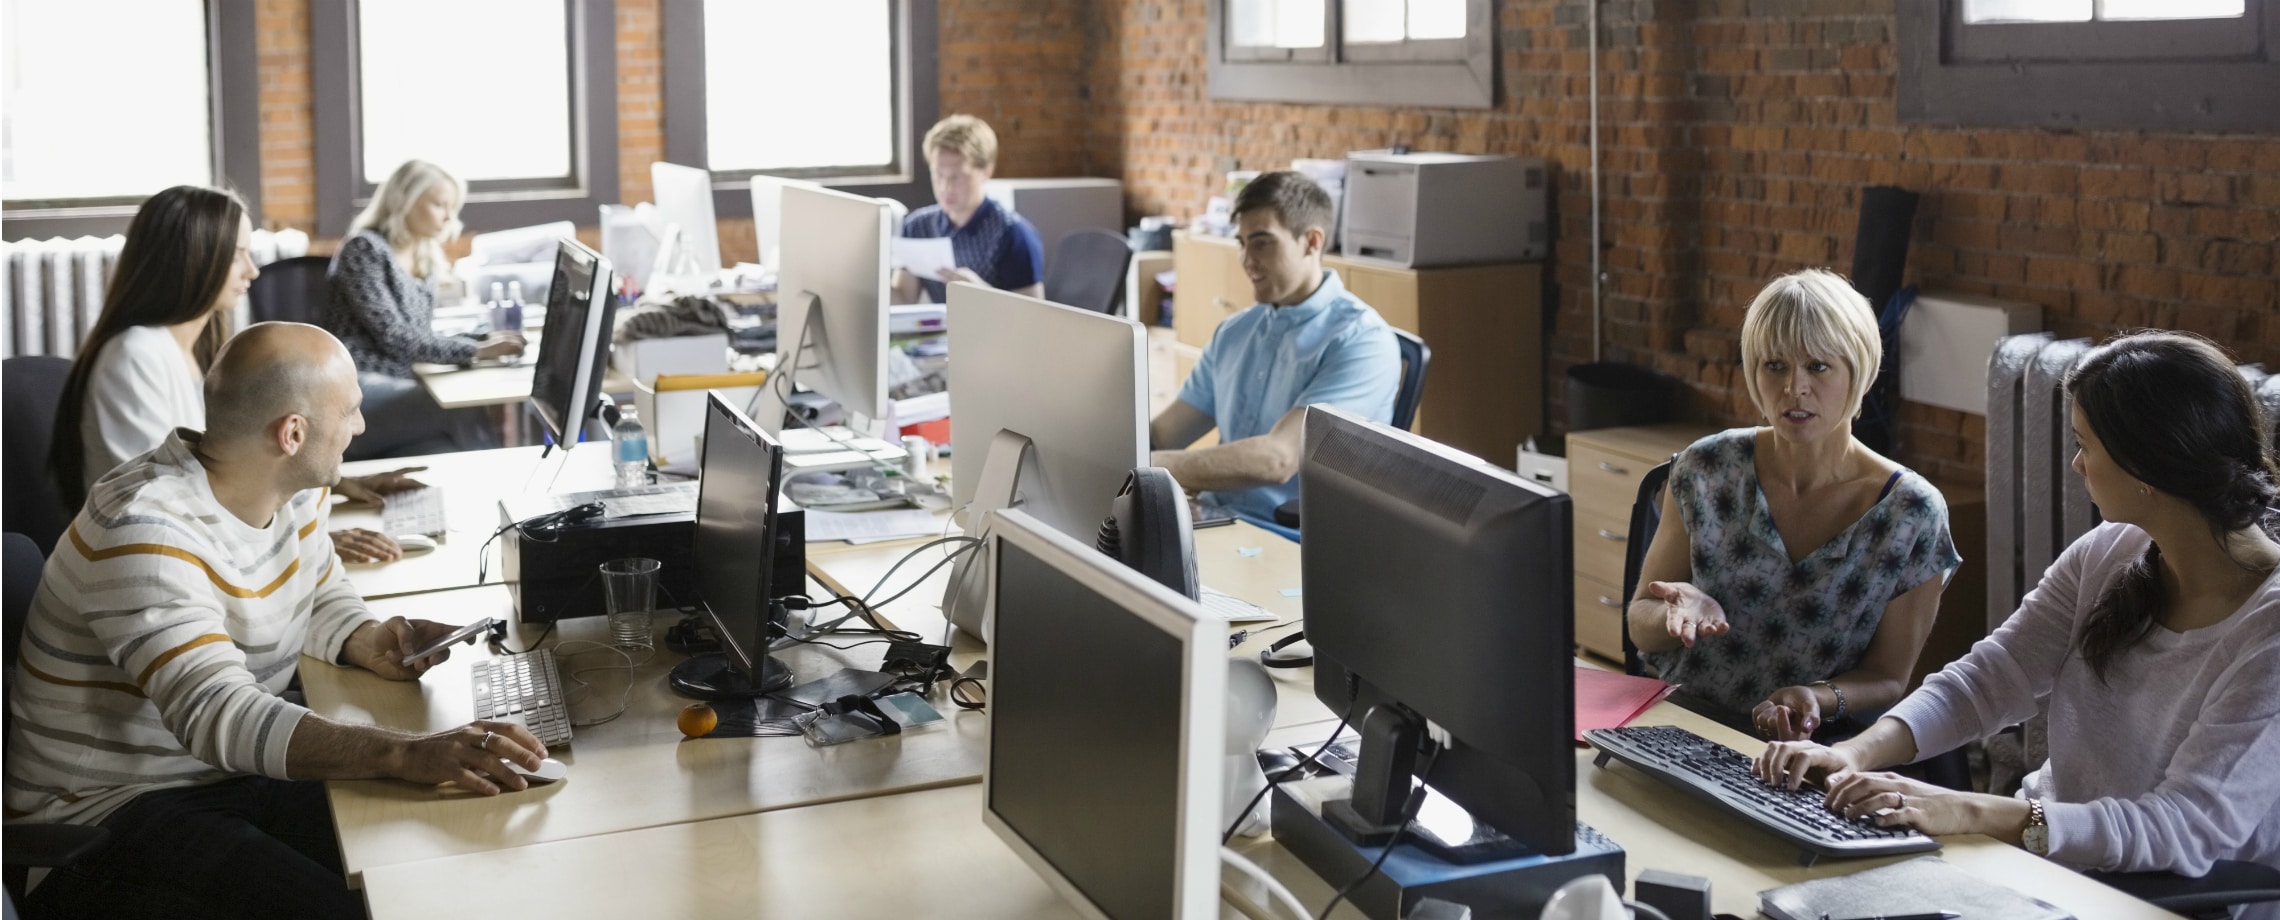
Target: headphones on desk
x=1271, y=659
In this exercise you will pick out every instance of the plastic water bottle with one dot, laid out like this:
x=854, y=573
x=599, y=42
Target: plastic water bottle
x=514, y=307
x=497, y=312
x=630, y=444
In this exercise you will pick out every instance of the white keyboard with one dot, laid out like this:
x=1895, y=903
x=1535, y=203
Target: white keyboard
x=417, y=511
x=525, y=688
x=1235, y=609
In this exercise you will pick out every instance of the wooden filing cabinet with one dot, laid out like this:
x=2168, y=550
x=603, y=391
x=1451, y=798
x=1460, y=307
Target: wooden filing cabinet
x=1604, y=469
x=1484, y=392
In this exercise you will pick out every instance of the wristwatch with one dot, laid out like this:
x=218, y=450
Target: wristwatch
x=2037, y=833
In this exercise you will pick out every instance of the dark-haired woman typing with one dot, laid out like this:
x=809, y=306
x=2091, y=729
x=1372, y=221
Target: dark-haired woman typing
x=2154, y=641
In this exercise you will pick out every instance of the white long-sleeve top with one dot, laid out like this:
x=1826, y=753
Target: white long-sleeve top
x=163, y=634
x=2170, y=764
x=141, y=388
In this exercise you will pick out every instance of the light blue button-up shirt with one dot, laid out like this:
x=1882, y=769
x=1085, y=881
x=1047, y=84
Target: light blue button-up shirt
x=1267, y=360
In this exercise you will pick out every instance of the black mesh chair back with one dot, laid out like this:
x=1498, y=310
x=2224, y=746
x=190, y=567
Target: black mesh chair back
x=1415, y=356
x=291, y=290
x=31, y=390
x=1088, y=271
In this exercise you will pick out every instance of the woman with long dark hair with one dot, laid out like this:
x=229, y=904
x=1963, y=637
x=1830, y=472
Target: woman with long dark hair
x=140, y=372
x=2153, y=641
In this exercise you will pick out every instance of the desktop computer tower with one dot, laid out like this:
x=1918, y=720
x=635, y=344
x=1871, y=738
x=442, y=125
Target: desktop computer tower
x=557, y=576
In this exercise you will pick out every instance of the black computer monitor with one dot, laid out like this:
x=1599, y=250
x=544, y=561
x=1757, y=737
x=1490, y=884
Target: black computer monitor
x=735, y=548
x=574, y=342
x=1104, y=771
x=1437, y=589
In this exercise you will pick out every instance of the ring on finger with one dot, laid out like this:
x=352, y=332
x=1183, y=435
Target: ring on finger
x=1899, y=800
x=487, y=736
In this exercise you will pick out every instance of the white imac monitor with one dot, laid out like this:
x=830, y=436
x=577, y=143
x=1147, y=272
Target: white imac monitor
x=685, y=203
x=1113, y=796
x=575, y=342
x=832, y=294
x=768, y=216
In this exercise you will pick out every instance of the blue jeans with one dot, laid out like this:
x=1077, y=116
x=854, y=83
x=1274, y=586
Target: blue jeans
x=245, y=847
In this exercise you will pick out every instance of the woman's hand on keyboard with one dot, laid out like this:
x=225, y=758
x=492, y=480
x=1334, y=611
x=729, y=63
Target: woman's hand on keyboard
x=1892, y=800
x=1790, y=764
x=359, y=545
x=1689, y=614
x=376, y=488
x=473, y=757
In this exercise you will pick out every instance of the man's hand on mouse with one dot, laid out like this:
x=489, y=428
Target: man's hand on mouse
x=359, y=545
x=474, y=757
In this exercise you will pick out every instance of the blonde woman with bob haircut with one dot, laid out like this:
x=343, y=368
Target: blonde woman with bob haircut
x=1796, y=573
x=383, y=310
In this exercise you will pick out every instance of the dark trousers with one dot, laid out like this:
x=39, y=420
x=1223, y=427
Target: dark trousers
x=245, y=847
x=402, y=420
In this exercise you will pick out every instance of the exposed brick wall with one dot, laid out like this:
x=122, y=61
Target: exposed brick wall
x=1019, y=65
x=640, y=95
x=288, y=123
x=1734, y=145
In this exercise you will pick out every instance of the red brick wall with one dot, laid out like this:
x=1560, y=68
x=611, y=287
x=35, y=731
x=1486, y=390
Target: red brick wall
x=288, y=124
x=1019, y=65
x=1734, y=146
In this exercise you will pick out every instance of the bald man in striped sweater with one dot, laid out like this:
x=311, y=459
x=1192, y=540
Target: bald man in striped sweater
x=148, y=696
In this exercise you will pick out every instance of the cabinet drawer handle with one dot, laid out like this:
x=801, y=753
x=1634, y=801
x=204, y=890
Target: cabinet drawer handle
x=1609, y=601
x=1612, y=468
x=1606, y=534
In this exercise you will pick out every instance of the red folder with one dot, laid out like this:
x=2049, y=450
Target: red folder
x=1610, y=699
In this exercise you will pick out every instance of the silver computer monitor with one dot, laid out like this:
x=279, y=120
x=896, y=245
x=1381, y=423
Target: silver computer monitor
x=1104, y=771
x=768, y=217
x=1074, y=382
x=685, y=203
x=574, y=344
x=836, y=250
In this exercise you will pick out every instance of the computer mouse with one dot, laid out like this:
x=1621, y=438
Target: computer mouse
x=549, y=770
x=415, y=543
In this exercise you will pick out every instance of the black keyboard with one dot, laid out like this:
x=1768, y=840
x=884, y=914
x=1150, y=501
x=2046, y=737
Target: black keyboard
x=1721, y=775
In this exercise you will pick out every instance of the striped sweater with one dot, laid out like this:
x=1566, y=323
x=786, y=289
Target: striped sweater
x=163, y=634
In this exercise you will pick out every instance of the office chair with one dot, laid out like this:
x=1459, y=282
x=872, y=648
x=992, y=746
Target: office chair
x=31, y=391
x=2208, y=897
x=291, y=290
x=29, y=846
x=1088, y=271
x=1416, y=356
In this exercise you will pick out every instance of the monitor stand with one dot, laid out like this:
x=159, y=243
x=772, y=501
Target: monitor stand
x=714, y=677
x=965, y=603
x=1381, y=791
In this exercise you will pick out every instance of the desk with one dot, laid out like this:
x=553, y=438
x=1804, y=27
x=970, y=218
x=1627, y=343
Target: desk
x=472, y=482
x=819, y=860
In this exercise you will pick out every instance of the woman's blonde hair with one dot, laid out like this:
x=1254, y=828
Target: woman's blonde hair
x=1814, y=313
x=966, y=136
x=394, y=198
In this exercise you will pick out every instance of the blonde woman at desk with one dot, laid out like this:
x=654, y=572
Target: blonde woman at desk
x=995, y=247
x=383, y=309
x=1796, y=573
x=142, y=368
x=2153, y=643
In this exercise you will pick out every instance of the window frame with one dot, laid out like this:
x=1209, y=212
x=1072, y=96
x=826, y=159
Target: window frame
x=342, y=190
x=234, y=102
x=1442, y=73
x=2163, y=75
x=917, y=63
x=1277, y=54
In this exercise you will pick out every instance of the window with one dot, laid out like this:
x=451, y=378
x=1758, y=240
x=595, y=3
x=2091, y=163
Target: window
x=107, y=102
x=1387, y=52
x=516, y=97
x=2190, y=65
x=864, y=72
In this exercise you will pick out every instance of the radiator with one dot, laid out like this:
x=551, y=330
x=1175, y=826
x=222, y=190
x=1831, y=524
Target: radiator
x=51, y=290
x=2036, y=505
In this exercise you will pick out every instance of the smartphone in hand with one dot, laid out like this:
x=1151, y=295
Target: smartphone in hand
x=462, y=634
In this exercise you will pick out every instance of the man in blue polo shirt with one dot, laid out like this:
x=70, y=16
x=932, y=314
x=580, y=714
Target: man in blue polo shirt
x=995, y=247
x=1307, y=341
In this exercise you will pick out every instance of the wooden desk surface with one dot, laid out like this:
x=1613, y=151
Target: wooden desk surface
x=838, y=859
x=472, y=482
x=456, y=387
x=629, y=773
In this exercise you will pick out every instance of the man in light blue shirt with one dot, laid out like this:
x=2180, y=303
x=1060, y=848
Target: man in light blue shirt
x=1307, y=341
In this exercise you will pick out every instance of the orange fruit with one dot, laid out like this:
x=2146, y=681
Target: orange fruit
x=698, y=720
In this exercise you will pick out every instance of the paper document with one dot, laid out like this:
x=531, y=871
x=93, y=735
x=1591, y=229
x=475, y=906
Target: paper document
x=869, y=526
x=925, y=258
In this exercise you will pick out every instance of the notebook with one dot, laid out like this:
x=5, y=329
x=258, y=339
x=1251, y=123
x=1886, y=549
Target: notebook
x=1921, y=885
x=1609, y=699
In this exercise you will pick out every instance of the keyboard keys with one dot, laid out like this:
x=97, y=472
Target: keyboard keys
x=527, y=686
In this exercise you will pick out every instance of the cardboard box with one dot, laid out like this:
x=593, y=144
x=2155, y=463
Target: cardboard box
x=673, y=409
x=642, y=360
